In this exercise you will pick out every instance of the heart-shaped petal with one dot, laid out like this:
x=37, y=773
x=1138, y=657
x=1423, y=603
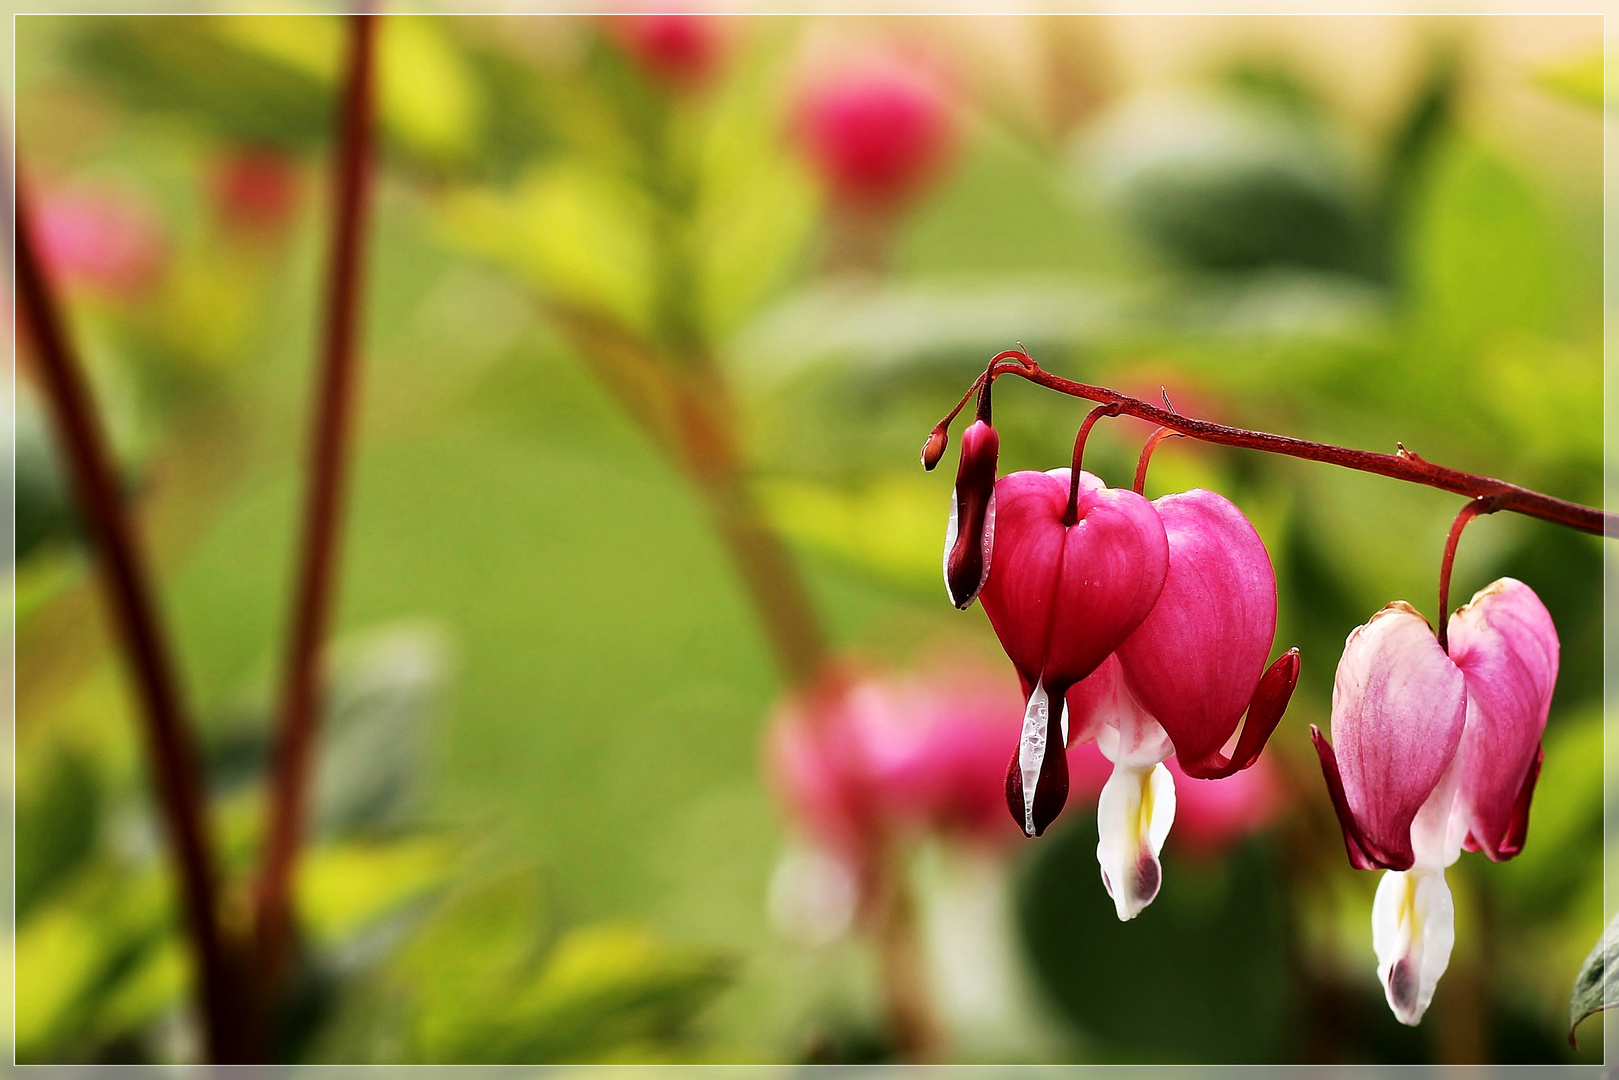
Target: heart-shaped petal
x=1196, y=660
x=1398, y=709
x=1062, y=598
x=1506, y=647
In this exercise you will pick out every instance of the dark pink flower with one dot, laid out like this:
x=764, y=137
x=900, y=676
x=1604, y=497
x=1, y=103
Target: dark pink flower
x=105, y=240
x=876, y=135
x=1432, y=753
x=1061, y=596
x=677, y=50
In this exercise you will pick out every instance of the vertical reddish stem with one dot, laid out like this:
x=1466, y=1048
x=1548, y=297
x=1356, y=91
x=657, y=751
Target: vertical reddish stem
x=1071, y=515
x=1145, y=459
x=328, y=453
x=134, y=611
x=1482, y=505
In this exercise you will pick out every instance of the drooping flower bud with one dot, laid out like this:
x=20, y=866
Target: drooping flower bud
x=934, y=448
x=969, y=540
x=1433, y=752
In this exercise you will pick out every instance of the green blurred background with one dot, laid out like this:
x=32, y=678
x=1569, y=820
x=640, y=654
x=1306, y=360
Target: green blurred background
x=543, y=830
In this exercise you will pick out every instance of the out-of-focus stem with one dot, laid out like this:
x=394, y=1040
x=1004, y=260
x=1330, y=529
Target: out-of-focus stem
x=130, y=595
x=912, y=1029
x=685, y=408
x=327, y=471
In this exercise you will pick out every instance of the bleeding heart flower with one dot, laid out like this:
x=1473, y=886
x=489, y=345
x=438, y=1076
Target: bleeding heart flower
x=1180, y=684
x=1431, y=753
x=1064, y=590
x=1197, y=662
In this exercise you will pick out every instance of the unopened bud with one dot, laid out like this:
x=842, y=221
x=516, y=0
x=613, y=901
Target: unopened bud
x=933, y=449
x=971, y=536
x=1037, y=777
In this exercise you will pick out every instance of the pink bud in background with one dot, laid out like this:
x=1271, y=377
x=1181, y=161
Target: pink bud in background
x=876, y=135
x=104, y=240
x=676, y=50
x=256, y=190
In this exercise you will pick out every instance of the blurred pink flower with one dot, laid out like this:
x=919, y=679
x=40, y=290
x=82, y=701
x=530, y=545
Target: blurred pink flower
x=1210, y=815
x=106, y=240
x=877, y=135
x=256, y=190
x=862, y=758
x=678, y=50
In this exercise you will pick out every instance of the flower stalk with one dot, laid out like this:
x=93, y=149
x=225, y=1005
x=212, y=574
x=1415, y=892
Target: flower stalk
x=131, y=597
x=330, y=440
x=1403, y=465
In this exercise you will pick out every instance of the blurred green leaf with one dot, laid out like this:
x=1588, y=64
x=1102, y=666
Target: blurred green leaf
x=1579, y=80
x=344, y=887
x=1482, y=254
x=58, y=816
x=44, y=510
x=892, y=527
x=429, y=97
x=1130, y=984
x=574, y=232
x=257, y=79
x=1597, y=984
x=486, y=982
x=1222, y=185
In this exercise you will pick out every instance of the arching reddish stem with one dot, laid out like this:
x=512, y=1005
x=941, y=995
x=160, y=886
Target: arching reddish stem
x=1483, y=505
x=1145, y=459
x=1402, y=466
x=1071, y=515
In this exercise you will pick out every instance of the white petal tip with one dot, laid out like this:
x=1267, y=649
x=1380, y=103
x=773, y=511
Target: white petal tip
x=1132, y=818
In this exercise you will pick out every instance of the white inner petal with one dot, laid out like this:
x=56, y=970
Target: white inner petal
x=1031, y=752
x=950, y=534
x=988, y=539
x=1133, y=818
x=1413, y=929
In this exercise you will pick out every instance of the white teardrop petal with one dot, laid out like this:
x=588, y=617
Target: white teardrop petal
x=1031, y=752
x=1413, y=929
x=1133, y=817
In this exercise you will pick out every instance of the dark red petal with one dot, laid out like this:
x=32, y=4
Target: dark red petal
x=1050, y=794
x=1361, y=854
x=1265, y=711
x=1518, y=828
